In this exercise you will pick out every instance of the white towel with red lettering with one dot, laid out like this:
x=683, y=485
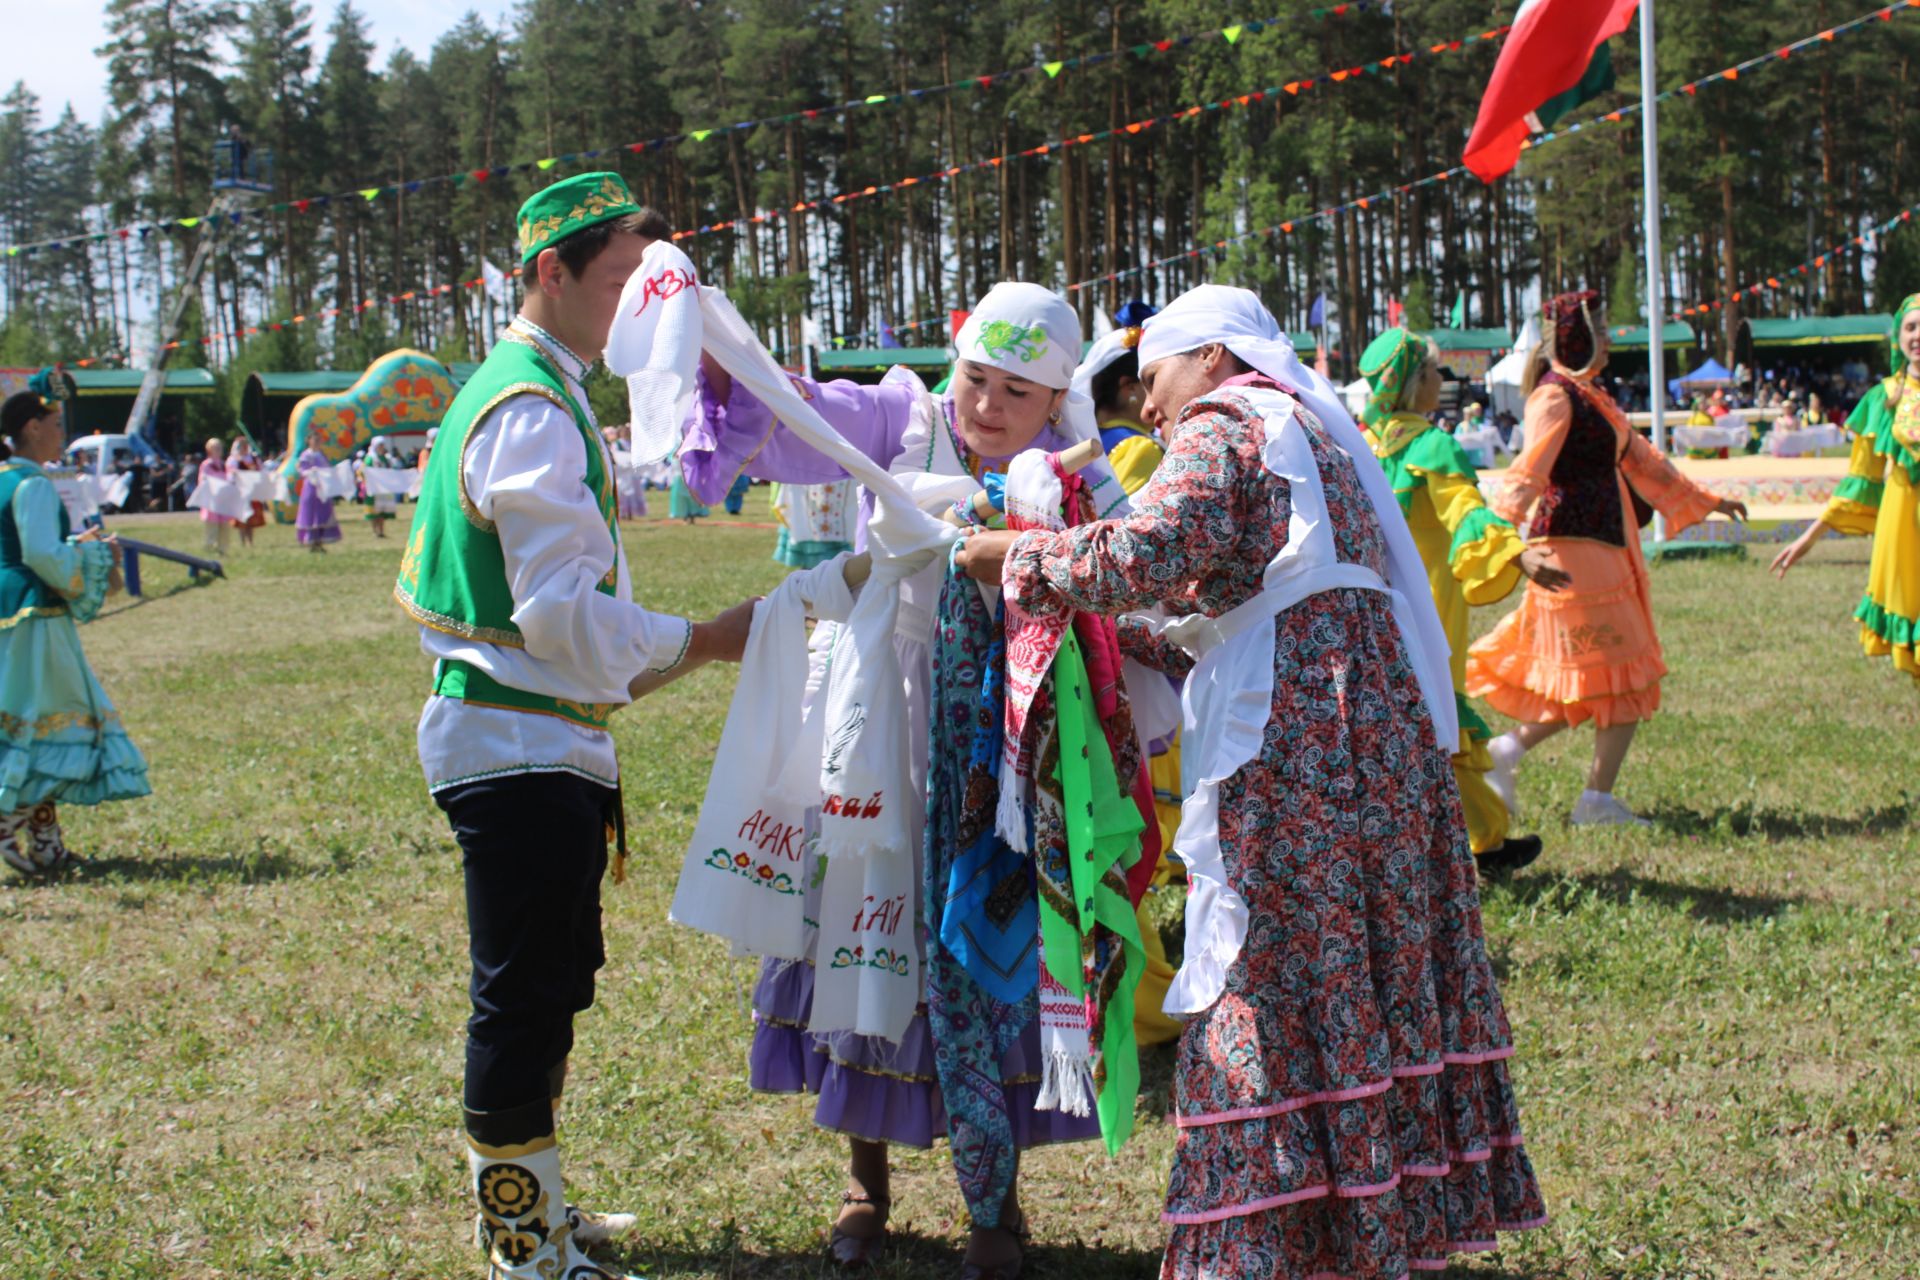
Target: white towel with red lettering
x=745, y=871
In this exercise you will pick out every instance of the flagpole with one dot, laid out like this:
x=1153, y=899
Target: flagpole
x=1656, y=300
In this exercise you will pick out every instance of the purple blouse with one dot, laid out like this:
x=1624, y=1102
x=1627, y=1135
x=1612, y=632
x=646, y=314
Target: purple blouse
x=725, y=438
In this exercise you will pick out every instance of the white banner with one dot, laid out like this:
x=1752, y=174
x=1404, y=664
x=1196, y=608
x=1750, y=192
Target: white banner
x=222, y=497
x=390, y=480
x=336, y=481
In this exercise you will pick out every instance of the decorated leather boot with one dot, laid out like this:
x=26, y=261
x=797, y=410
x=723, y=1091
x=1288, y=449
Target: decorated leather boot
x=524, y=1226
x=45, y=848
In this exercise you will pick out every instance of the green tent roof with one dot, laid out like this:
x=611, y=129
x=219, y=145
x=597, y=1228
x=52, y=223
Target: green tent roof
x=126, y=382
x=1471, y=339
x=884, y=358
x=302, y=384
x=1672, y=334
x=461, y=370
x=1819, y=330
x=1305, y=343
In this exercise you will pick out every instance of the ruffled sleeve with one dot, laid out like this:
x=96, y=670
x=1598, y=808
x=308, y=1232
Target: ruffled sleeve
x=1855, y=504
x=1549, y=413
x=77, y=571
x=726, y=438
x=1660, y=483
x=1484, y=554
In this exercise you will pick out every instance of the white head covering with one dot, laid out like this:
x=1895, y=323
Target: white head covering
x=1034, y=333
x=1236, y=319
x=1024, y=330
x=1106, y=349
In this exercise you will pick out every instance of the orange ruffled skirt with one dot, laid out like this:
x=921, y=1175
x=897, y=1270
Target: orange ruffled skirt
x=1586, y=652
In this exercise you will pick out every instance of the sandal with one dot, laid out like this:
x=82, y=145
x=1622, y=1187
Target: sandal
x=1009, y=1269
x=853, y=1252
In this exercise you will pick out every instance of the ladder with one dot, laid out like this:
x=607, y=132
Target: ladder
x=168, y=326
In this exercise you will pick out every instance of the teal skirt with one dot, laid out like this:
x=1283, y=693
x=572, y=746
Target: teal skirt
x=60, y=737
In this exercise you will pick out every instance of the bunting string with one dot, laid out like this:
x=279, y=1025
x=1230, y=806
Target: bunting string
x=1689, y=89
x=1051, y=70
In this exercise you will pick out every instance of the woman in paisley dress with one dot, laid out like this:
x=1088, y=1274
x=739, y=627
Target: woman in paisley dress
x=1342, y=1095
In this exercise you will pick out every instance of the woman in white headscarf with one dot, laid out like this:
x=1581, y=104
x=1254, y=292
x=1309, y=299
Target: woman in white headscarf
x=1341, y=1094
x=1009, y=394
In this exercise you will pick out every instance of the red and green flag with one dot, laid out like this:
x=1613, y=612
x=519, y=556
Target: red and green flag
x=1549, y=55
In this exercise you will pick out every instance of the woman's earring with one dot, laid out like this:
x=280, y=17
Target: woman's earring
x=1053, y=418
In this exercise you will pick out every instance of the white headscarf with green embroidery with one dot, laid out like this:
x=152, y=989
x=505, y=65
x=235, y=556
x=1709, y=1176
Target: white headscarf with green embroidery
x=1024, y=330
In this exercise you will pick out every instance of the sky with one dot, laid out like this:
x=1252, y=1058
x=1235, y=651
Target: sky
x=54, y=54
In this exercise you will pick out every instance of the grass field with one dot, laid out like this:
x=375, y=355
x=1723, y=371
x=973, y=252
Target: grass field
x=230, y=1045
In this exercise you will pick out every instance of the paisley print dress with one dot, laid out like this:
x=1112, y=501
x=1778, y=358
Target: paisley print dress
x=1344, y=1107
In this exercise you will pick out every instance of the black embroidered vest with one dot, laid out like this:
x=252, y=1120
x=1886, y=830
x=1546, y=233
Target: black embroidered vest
x=1582, y=497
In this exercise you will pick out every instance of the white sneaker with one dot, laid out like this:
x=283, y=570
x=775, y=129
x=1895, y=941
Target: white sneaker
x=1507, y=754
x=590, y=1228
x=1600, y=809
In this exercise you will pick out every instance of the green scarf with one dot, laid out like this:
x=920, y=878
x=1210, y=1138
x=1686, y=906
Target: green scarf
x=1088, y=931
x=1390, y=364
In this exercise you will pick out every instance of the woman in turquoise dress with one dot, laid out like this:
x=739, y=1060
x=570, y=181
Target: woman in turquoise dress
x=61, y=741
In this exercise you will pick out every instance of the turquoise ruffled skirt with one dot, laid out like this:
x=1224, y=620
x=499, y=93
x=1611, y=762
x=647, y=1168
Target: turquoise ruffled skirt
x=60, y=738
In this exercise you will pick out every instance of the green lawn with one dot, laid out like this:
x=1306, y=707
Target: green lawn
x=231, y=1044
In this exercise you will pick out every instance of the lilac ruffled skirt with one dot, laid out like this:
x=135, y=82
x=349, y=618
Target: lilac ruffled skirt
x=875, y=1090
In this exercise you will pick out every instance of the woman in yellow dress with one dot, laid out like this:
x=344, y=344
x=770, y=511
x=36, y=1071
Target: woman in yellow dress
x=1473, y=557
x=1881, y=497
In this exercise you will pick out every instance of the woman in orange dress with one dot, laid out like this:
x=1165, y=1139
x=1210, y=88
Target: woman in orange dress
x=1586, y=652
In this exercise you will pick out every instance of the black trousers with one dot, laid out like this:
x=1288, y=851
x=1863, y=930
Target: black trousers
x=534, y=848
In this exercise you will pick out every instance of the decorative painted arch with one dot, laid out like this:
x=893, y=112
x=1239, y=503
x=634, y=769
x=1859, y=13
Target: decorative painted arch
x=403, y=392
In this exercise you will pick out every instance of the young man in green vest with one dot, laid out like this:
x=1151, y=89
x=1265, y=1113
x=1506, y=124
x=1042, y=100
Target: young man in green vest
x=515, y=573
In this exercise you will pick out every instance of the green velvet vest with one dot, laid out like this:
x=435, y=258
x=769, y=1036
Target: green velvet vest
x=453, y=577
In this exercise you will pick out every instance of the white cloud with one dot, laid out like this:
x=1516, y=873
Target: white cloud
x=53, y=53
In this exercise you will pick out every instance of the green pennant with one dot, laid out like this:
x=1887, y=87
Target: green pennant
x=548, y=163
x=874, y=99
x=189, y=223
x=1233, y=33
x=370, y=193
x=1052, y=68
x=701, y=135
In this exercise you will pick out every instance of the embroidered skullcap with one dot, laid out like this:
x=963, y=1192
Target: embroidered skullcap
x=569, y=205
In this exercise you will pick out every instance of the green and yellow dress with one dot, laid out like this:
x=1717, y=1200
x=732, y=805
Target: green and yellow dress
x=1472, y=555
x=1472, y=558
x=1881, y=496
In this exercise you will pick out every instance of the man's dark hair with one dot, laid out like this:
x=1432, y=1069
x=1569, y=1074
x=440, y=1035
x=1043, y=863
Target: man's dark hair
x=1106, y=383
x=578, y=250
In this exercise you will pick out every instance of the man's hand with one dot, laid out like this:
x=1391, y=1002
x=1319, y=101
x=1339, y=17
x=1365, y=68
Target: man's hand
x=723, y=639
